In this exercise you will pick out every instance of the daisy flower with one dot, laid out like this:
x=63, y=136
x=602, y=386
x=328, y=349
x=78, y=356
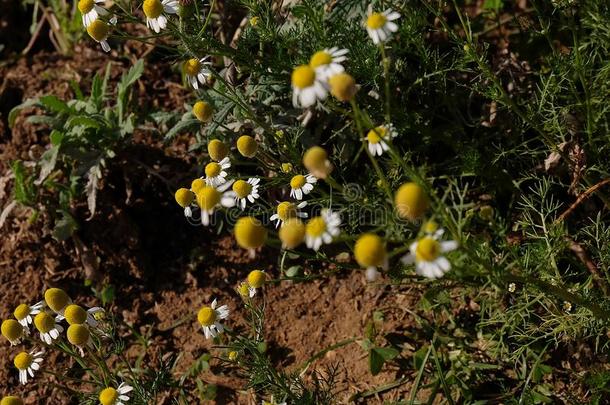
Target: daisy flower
x=377, y=138
x=98, y=30
x=13, y=331
x=80, y=336
x=287, y=210
x=209, y=318
x=27, y=363
x=115, y=396
x=153, y=9
x=48, y=327
x=246, y=191
x=307, y=87
x=75, y=314
x=57, y=300
x=300, y=185
x=215, y=172
x=322, y=229
x=24, y=312
x=196, y=71
x=327, y=62
x=209, y=198
x=380, y=26
x=426, y=253
x=90, y=10
x=185, y=197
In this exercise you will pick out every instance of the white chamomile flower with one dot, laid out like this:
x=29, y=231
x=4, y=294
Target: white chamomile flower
x=99, y=30
x=24, y=312
x=48, y=327
x=209, y=318
x=327, y=62
x=322, y=229
x=27, y=363
x=287, y=210
x=115, y=396
x=427, y=252
x=13, y=331
x=380, y=26
x=301, y=185
x=215, y=173
x=90, y=10
x=377, y=139
x=246, y=191
x=209, y=198
x=153, y=10
x=307, y=87
x=197, y=71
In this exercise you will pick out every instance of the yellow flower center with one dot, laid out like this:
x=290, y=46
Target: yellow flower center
x=184, y=197
x=84, y=6
x=303, y=76
x=369, y=250
x=430, y=227
x=192, y=67
x=256, y=278
x=98, y=30
x=316, y=227
x=242, y=188
x=286, y=167
x=320, y=58
x=21, y=312
x=250, y=233
x=206, y=316
x=11, y=329
x=152, y=8
x=11, y=400
x=342, y=86
x=315, y=159
x=208, y=197
x=78, y=334
x=23, y=360
x=376, y=21
x=197, y=185
x=411, y=201
x=232, y=355
x=377, y=134
x=203, y=111
x=56, y=299
x=243, y=290
x=428, y=249
x=286, y=210
x=247, y=146
x=298, y=181
x=75, y=314
x=108, y=396
x=292, y=233
x=44, y=322
x=212, y=169
x=217, y=150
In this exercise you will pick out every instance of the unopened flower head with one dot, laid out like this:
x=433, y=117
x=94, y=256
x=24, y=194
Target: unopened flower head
x=90, y=11
x=250, y=233
x=11, y=400
x=301, y=185
x=411, y=201
x=256, y=278
x=286, y=167
x=98, y=30
x=215, y=173
x=315, y=159
x=247, y=146
x=287, y=210
x=217, y=150
x=232, y=355
x=185, y=197
x=427, y=254
x=79, y=335
x=322, y=229
x=197, y=71
x=154, y=9
x=292, y=233
x=380, y=26
x=307, y=87
x=13, y=331
x=370, y=252
x=203, y=111
x=246, y=191
x=24, y=312
x=209, y=318
x=48, y=327
x=377, y=139
x=327, y=62
x=56, y=299
x=342, y=86
x=27, y=364
x=115, y=396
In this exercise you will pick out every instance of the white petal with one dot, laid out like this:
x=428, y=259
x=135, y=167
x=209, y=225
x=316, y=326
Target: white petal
x=448, y=246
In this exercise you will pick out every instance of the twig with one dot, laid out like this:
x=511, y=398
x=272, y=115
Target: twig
x=580, y=252
x=582, y=197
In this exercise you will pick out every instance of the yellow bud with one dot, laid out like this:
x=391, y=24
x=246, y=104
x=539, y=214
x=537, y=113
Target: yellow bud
x=75, y=314
x=292, y=233
x=233, y=355
x=343, y=86
x=250, y=233
x=11, y=400
x=84, y=6
x=184, y=197
x=78, y=334
x=203, y=111
x=11, y=330
x=44, y=322
x=370, y=250
x=208, y=198
x=98, y=30
x=217, y=150
x=411, y=201
x=197, y=185
x=247, y=146
x=316, y=161
x=256, y=278
x=286, y=167
x=56, y=299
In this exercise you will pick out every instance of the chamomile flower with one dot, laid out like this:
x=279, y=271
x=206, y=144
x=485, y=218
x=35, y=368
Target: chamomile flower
x=256, y=279
x=209, y=318
x=377, y=139
x=115, y=396
x=13, y=331
x=342, y=86
x=197, y=71
x=215, y=173
x=411, y=201
x=27, y=363
x=307, y=87
x=287, y=210
x=217, y=150
x=250, y=233
x=380, y=26
x=154, y=9
x=75, y=314
x=370, y=253
x=246, y=191
x=301, y=185
x=80, y=336
x=57, y=300
x=209, y=198
x=315, y=159
x=197, y=185
x=322, y=229
x=185, y=197
x=98, y=30
x=24, y=312
x=328, y=62
x=48, y=327
x=247, y=146
x=292, y=233
x=90, y=10
x=426, y=253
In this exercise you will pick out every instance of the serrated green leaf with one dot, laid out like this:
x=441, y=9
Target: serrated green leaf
x=56, y=137
x=64, y=227
x=53, y=103
x=181, y=126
